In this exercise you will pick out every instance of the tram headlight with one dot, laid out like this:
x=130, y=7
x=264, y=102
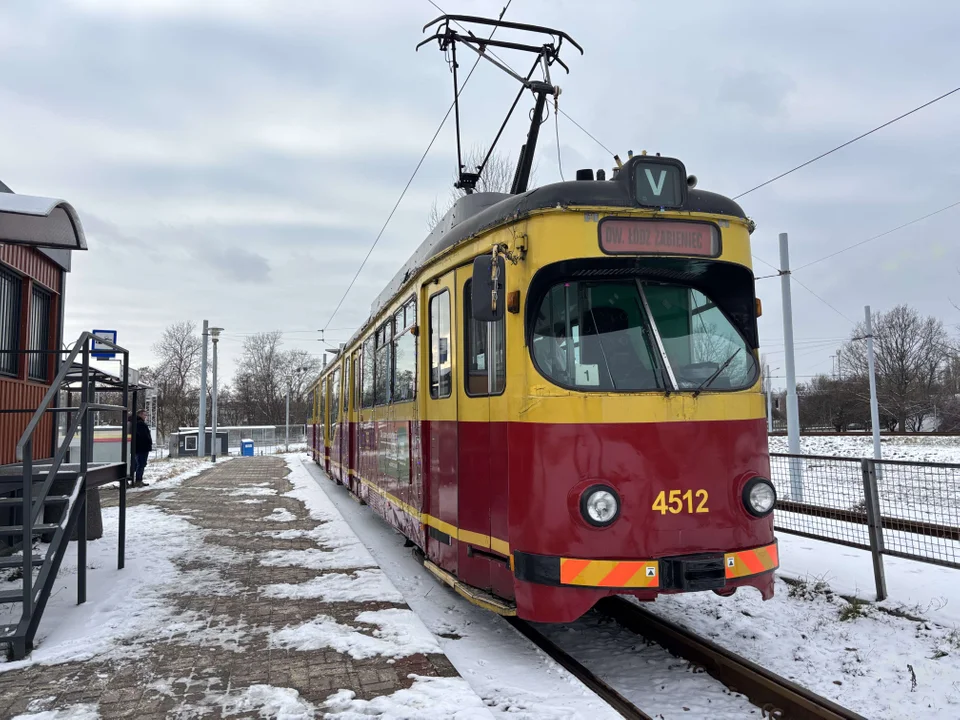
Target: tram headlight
x=600, y=505
x=759, y=497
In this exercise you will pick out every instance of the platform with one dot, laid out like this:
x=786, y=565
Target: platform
x=245, y=595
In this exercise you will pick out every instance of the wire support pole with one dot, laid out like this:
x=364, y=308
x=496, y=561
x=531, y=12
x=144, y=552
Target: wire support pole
x=793, y=410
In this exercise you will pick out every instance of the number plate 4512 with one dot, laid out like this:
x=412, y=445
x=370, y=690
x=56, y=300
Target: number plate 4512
x=678, y=501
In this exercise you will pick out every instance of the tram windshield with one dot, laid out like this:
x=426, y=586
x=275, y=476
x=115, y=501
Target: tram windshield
x=628, y=335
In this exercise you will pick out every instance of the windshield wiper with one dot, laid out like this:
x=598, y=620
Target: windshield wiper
x=716, y=374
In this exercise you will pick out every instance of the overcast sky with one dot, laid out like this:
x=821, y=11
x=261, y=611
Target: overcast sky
x=233, y=160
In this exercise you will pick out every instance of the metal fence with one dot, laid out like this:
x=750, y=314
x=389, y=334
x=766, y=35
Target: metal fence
x=888, y=507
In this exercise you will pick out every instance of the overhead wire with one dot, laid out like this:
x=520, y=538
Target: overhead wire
x=793, y=277
x=877, y=237
x=412, y=176
x=849, y=142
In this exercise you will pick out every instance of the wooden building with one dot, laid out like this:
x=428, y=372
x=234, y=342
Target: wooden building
x=37, y=237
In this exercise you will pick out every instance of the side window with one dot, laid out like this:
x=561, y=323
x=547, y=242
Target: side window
x=440, y=360
x=368, y=394
x=484, y=352
x=405, y=356
x=9, y=322
x=323, y=401
x=39, y=334
x=335, y=397
x=384, y=384
x=355, y=377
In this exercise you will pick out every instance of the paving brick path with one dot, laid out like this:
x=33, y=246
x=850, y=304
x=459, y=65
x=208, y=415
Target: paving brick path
x=170, y=677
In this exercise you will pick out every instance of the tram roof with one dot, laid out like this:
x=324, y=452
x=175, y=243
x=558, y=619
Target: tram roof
x=478, y=212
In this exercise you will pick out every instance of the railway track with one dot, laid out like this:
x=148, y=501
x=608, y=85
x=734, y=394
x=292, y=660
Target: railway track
x=776, y=696
x=605, y=691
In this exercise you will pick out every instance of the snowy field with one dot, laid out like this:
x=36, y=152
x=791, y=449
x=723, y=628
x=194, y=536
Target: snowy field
x=914, y=449
x=929, y=495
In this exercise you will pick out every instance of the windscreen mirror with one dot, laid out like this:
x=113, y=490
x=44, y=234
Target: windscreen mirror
x=488, y=298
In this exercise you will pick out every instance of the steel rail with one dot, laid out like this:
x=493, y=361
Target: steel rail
x=606, y=692
x=775, y=695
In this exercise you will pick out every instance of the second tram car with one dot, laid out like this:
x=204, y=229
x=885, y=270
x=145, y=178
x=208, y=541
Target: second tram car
x=558, y=397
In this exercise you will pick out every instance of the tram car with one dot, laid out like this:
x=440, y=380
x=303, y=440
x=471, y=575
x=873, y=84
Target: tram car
x=558, y=397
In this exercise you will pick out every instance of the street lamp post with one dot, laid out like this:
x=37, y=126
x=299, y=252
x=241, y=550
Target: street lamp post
x=215, y=335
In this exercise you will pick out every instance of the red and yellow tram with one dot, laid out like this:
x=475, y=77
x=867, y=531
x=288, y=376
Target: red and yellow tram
x=558, y=397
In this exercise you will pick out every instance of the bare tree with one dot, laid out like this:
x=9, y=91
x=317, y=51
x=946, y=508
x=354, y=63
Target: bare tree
x=261, y=381
x=176, y=375
x=497, y=176
x=911, y=355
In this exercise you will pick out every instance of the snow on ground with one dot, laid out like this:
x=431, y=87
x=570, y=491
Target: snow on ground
x=881, y=665
x=399, y=633
x=280, y=515
x=919, y=493
x=428, y=697
x=514, y=678
x=125, y=606
x=361, y=586
x=170, y=473
x=913, y=448
x=83, y=711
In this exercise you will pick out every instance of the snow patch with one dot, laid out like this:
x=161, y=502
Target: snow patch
x=269, y=701
x=253, y=491
x=363, y=585
x=280, y=515
x=352, y=556
x=428, y=697
x=400, y=633
x=83, y=711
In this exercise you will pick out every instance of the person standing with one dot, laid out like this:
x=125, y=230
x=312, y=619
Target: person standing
x=144, y=446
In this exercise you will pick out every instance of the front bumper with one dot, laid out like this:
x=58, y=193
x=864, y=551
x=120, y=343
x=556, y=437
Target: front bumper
x=686, y=573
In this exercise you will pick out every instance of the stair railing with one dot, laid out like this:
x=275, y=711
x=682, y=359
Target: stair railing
x=33, y=502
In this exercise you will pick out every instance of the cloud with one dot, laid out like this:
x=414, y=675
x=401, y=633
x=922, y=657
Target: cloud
x=235, y=160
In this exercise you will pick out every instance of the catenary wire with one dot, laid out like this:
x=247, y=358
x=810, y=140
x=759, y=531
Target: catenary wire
x=412, y=176
x=849, y=142
x=822, y=300
x=877, y=237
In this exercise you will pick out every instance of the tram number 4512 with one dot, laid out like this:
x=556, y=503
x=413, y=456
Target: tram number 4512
x=678, y=501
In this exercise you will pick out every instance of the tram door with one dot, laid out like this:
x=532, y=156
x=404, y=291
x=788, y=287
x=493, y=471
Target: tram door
x=482, y=377
x=353, y=473
x=439, y=429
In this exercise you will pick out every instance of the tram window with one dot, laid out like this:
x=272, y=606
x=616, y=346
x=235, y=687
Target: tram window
x=405, y=367
x=410, y=314
x=596, y=336
x=368, y=393
x=484, y=343
x=384, y=369
x=335, y=397
x=440, y=361
x=323, y=401
x=698, y=338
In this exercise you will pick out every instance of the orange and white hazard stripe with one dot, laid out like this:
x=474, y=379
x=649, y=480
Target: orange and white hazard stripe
x=610, y=573
x=751, y=562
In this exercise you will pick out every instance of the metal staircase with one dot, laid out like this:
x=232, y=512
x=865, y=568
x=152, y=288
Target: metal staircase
x=32, y=511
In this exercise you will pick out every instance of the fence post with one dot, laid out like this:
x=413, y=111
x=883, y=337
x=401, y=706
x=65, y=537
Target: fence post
x=871, y=499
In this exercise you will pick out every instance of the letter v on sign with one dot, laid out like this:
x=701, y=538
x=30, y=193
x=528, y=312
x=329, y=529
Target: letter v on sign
x=658, y=186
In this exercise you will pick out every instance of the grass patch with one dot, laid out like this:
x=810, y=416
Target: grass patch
x=854, y=609
x=808, y=589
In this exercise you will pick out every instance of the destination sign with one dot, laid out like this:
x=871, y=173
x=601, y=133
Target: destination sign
x=658, y=237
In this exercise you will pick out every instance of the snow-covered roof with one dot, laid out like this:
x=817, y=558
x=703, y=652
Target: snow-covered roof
x=40, y=222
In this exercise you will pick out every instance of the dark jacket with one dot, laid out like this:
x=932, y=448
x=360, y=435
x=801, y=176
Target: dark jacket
x=144, y=441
